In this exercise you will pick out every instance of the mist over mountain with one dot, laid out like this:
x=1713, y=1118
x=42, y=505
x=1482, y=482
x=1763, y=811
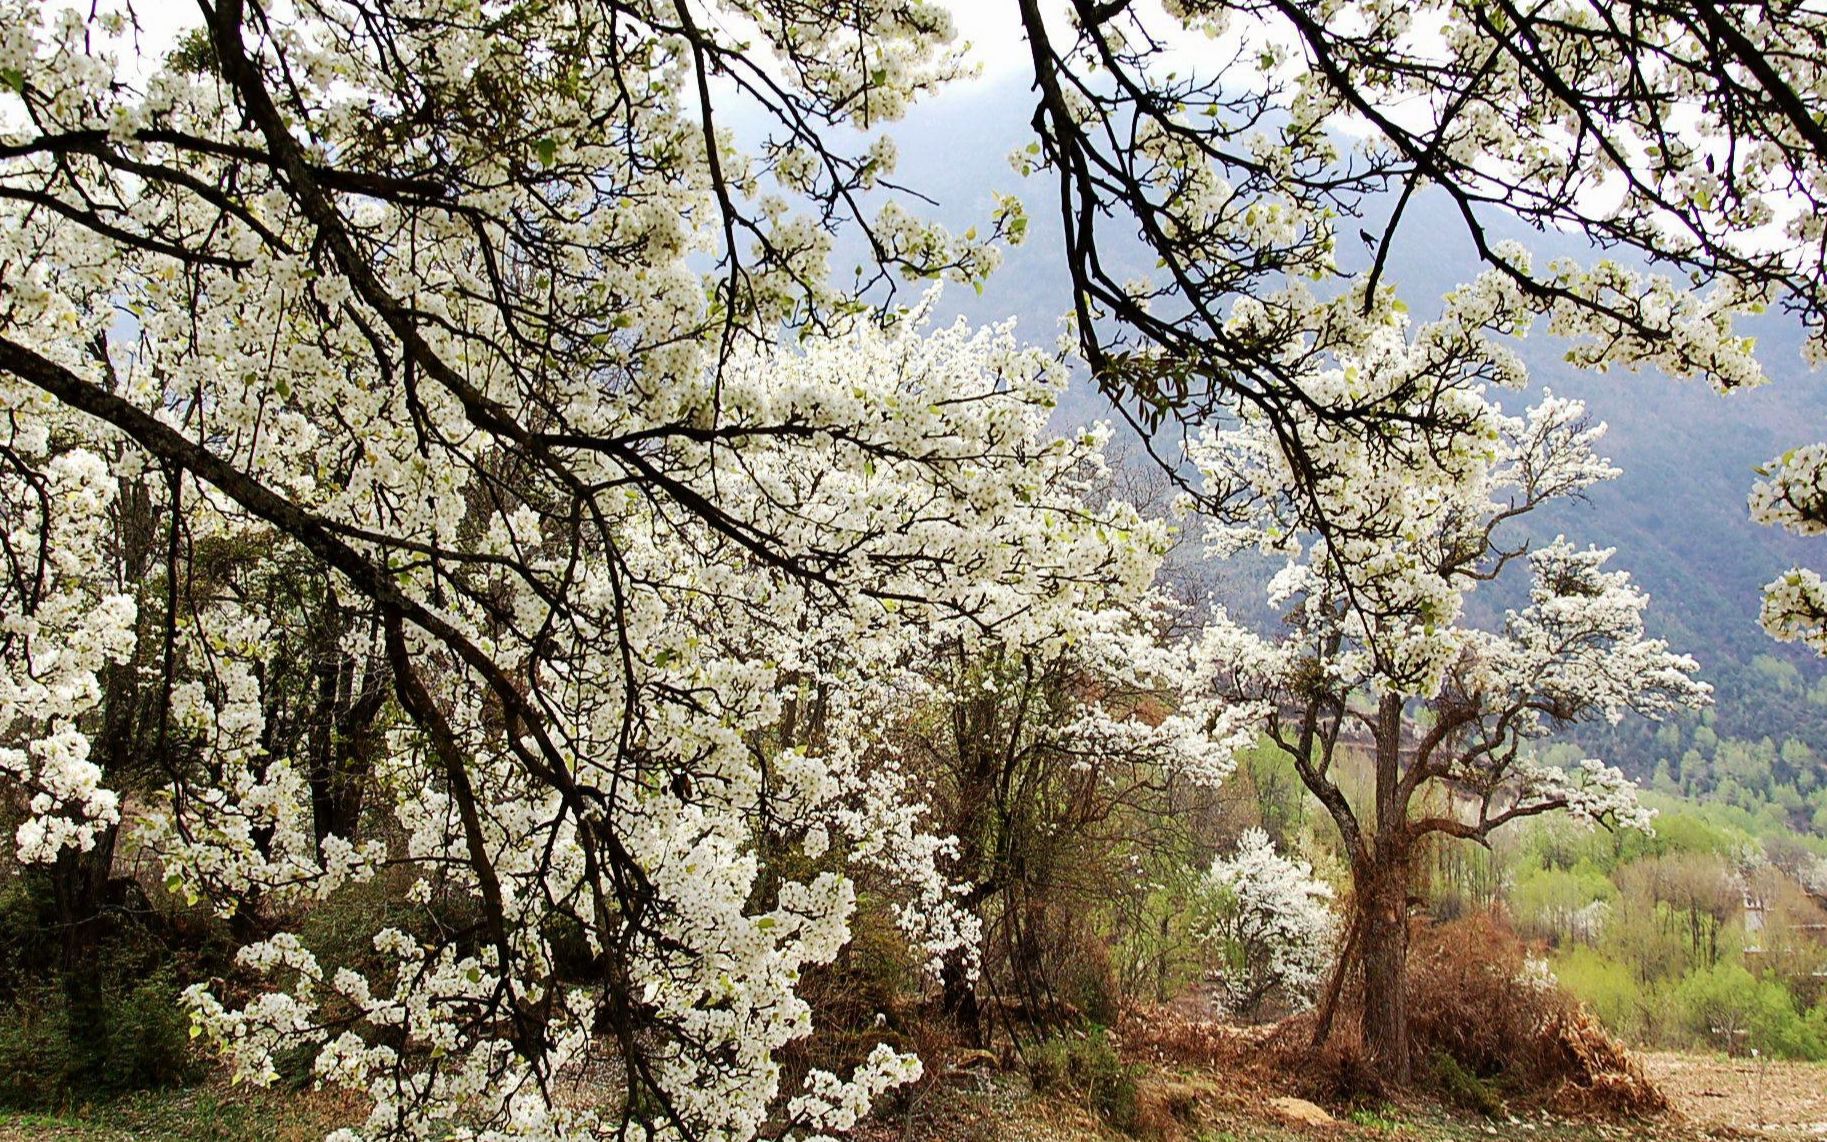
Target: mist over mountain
x=1677, y=516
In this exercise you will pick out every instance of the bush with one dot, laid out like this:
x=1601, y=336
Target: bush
x=111, y=1024
x=55, y=1048
x=1087, y=1065
x=39, y=1063
x=1463, y=1088
x=1087, y=981
x=1477, y=999
x=1726, y=1006
x=1272, y=926
x=863, y=998
x=1636, y=1010
x=1473, y=999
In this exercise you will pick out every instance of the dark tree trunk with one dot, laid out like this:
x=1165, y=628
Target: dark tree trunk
x=974, y=816
x=79, y=890
x=343, y=743
x=1380, y=876
x=1382, y=891
x=958, y=1000
x=958, y=994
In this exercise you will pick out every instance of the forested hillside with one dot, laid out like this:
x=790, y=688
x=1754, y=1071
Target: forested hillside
x=1677, y=515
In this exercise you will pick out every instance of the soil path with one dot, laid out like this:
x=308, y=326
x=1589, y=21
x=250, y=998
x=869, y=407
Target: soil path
x=1760, y=1097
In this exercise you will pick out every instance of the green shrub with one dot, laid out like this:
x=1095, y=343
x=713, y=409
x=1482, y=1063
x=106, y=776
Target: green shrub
x=118, y=1037
x=1463, y=1088
x=1382, y=1117
x=146, y=1038
x=39, y=1062
x=1611, y=990
x=1726, y=1006
x=112, y=1023
x=1087, y=1064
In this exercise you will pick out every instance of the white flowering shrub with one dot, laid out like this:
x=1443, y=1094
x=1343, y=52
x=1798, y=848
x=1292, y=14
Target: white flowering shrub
x=1272, y=927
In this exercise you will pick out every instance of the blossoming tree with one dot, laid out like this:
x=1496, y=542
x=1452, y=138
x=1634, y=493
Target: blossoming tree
x=1377, y=656
x=1272, y=924
x=409, y=305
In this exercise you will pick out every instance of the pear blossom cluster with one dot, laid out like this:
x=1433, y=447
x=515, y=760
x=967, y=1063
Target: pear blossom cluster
x=61, y=629
x=1272, y=925
x=1793, y=496
x=443, y=356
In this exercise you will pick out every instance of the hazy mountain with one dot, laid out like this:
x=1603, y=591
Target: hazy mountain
x=1677, y=516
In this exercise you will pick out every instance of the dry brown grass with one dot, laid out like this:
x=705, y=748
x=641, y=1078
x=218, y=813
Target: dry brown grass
x=1508, y=1041
x=1470, y=999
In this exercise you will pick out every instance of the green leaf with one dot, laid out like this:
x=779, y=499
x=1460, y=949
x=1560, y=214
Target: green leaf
x=14, y=79
x=548, y=151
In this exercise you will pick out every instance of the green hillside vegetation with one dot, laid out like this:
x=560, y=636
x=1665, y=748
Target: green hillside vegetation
x=1709, y=934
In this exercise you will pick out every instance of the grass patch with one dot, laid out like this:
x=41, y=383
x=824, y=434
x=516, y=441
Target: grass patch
x=199, y=1114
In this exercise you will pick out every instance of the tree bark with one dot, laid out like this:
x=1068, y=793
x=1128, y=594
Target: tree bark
x=958, y=1000
x=958, y=991
x=79, y=890
x=1382, y=890
x=1381, y=879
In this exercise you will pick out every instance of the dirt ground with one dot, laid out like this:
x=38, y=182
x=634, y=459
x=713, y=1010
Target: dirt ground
x=1716, y=1100
x=1756, y=1096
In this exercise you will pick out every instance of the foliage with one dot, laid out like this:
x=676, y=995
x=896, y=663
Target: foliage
x=1561, y=905
x=1272, y=925
x=1725, y=1006
x=1046, y=760
x=1086, y=1063
x=1710, y=939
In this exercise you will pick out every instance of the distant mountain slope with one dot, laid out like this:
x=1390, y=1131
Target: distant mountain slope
x=1677, y=516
